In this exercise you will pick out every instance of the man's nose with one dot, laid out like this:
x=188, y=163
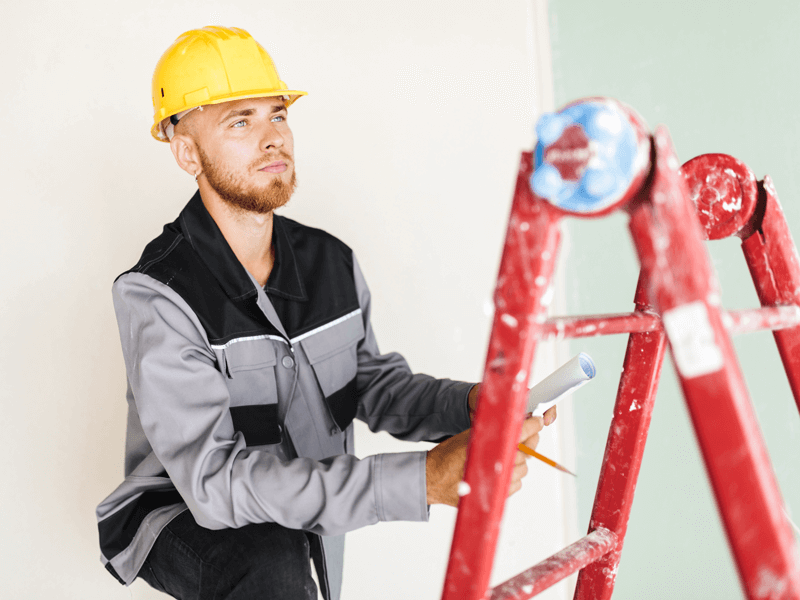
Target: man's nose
x=271, y=138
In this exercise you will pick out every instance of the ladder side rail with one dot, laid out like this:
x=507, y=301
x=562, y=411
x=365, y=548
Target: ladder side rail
x=668, y=239
x=521, y=299
x=624, y=452
x=772, y=258
x=731, y=202
x=555, y=568
x=622, y=461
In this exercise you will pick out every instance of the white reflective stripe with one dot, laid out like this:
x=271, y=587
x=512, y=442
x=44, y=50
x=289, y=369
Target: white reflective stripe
x=355, y=313
x=277, y=338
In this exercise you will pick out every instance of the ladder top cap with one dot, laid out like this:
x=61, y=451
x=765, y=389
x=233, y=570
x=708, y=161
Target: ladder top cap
x=591, y=156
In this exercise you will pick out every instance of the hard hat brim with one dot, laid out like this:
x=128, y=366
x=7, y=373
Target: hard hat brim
x=157, y=132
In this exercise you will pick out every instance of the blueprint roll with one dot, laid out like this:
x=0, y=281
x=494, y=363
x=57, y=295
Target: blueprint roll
x=567, y=378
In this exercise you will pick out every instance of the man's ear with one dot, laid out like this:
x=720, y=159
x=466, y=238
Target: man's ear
x=186, y=153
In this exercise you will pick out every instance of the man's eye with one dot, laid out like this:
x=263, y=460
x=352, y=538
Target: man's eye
x=238, y=123
x=281, y=117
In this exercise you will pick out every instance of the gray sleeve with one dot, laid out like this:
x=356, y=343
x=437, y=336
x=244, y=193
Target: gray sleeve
x=183, y=404
x=391, y=398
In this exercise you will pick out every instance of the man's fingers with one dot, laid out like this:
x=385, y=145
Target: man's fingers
x=519, y=471
x=444, y=468
x=532, y=441
x=530, y=427
x=550, y=415
x=516, y=477
x=472, y=401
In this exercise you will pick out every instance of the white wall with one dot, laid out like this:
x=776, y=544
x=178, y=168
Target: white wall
x=407, y=148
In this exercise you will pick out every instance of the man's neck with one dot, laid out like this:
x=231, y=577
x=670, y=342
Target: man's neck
x=248, y=234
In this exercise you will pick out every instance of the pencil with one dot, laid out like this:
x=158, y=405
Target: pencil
x=544, y=459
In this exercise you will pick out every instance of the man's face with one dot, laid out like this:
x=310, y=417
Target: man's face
x=246, y=152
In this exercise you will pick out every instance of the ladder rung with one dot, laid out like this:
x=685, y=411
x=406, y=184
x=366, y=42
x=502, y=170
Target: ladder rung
x=735, y=321
x=591, y=325
x=755, y=319
x=562, y=564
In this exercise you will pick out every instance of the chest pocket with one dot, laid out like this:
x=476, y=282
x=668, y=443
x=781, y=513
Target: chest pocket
x=331, y=351
x=250, y=369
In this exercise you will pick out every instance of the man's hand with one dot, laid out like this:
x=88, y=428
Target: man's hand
x=444, y=468
x=549, y=414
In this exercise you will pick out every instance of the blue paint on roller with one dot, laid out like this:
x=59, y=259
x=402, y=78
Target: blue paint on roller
x=609, y=167
x=547, y=181
x=550, y=127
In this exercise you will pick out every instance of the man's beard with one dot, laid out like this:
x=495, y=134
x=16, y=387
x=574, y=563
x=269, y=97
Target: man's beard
x=231, y=189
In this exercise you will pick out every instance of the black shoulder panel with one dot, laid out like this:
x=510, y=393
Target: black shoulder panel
x=171, y=260
x=157, y=249
x=311, y=285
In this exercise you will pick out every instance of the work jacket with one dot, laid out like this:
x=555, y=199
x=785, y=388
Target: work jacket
x=241, y=398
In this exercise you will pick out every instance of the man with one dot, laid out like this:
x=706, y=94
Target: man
x=249, y=351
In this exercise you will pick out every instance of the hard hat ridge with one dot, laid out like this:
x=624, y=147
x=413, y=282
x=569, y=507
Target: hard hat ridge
x=209, y=66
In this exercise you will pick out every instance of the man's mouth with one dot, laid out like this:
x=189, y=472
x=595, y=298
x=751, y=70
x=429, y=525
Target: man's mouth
x=278, y=166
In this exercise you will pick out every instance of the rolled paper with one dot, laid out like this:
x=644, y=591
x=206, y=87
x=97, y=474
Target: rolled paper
x=567, y=378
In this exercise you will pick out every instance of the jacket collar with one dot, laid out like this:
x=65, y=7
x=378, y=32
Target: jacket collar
x=207, y=240
x=284, y=279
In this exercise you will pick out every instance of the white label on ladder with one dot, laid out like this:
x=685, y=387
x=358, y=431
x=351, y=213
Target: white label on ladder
x=692, y=340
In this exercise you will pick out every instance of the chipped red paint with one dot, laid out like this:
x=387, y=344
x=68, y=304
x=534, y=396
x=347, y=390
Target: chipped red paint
x=624, y=450
x=555, y=568
x=526, y=270
x=724, y=192
x=570, y=154
x=593, y=325
x=676, y=298
x=751, y=210
x=735, y=321
x=775, y=268
x=755, y=319
x=667, y=235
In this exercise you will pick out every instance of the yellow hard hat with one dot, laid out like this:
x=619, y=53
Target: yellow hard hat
x=209, y=66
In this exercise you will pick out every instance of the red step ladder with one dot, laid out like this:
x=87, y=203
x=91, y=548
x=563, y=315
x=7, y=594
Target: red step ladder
x=593, y=157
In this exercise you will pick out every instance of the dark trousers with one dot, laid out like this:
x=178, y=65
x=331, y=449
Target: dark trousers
x=256, y=562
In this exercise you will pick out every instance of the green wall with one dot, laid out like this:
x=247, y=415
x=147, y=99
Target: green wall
x=723, y=77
